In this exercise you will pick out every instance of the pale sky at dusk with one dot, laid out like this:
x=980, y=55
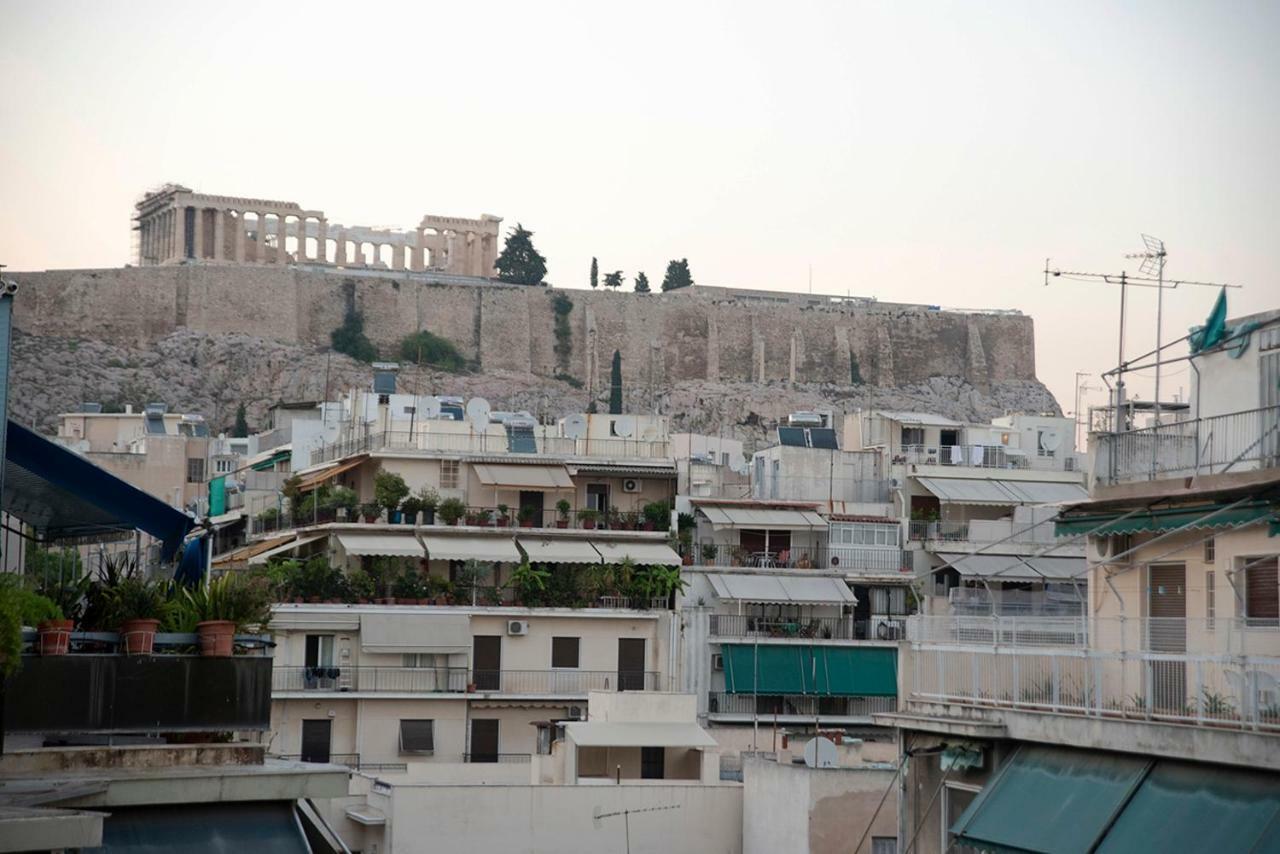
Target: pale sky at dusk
x=927, y=152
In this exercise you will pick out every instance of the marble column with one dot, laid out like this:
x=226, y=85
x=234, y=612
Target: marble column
x=322, y=241
x=219, y=233
x=198, y=225
x=237, y=239
x=282, y=233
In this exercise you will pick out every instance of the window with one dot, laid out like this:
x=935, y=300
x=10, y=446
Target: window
x=448, y=474
x=319, y=651
x=417, y=736
x=564, y=652
x=912, y=435
x=195, y=470
x=420, y=659
x=1210, y=605
x=863, y=534
x=884, y=845
x=1262, y=592
x=1209, y=549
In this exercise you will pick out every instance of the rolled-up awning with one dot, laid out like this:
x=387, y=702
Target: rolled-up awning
x=638, y=734
x=471, y=548
x=1017, y=568
x=394, y=633
x=557, y=550
x=641, y=553
x=313, y=479
x=263, y=557
x=1045, y=491
x=523, y=477
x=781, y=589
x=385, y=544
x=772, y=518
x=965, y=490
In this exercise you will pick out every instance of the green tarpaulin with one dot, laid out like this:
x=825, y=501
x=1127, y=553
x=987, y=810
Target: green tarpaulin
x=1197, y=518
x=1050, y=799
x=806, y=669
x=218, y=496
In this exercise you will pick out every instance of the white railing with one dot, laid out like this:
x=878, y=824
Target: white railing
x=1238, y=441
x=980, y=602
x=985, y=456
x=1222, y=690
x=490, y=443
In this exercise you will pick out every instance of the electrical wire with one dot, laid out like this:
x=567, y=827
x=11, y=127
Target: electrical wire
x=883, y=798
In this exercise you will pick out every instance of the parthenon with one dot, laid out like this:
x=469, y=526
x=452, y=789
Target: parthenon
x=178, y=226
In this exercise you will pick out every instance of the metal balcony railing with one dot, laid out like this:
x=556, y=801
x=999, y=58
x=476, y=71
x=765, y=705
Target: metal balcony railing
x=1238, y=441
x=489, y=443
x=818, y=628
x=349, y=760
x=498, y=758
x=797, y=705
x=455, y=680
x=849, y=559
x=986, y=457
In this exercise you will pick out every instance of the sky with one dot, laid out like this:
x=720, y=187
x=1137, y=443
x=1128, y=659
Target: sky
x=929, y=152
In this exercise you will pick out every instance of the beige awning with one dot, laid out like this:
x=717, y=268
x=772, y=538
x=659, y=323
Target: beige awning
x=641, y=553
x=314, y=479
x=395, y=633
x=772, y=518
x=245, y=553
x=523, y=477
x=386, y=544
x=636, y=734
x=497, y=548
x=1016, y=568
x=781, y=589
x=263, y=557
x=557, y=550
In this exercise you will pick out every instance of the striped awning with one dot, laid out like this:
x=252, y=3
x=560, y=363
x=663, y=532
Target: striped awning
x=384, y=544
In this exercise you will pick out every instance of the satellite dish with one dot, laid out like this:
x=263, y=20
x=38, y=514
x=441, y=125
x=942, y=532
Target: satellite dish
x=431, y=407
x=624, y=426
x=821, y=753
x=478, y=413
x=575, y=427
x=650, y=433
x=1050, y=440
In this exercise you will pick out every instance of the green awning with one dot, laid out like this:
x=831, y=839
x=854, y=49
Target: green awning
x=1051, y=799
x=804, y=669
x=1163, y=520
x=270, y=462
x=1182, y=806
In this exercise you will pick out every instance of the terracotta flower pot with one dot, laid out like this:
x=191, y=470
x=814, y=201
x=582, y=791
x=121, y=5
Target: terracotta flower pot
x=589, y=524
x=138, y=637
x=562, y=523
x=217, y=638
x=54, y=637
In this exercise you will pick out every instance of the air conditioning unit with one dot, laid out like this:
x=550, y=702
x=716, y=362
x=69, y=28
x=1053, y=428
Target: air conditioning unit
x=717, y=661
x=576, y=713
x=630, y=484
x=1104, y=548
x=888, y=629
x=517, y=627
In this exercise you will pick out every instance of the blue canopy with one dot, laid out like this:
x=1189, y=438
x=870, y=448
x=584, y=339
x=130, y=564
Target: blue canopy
x=63, y=495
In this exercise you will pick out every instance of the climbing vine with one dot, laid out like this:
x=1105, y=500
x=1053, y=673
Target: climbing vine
x=562, y=305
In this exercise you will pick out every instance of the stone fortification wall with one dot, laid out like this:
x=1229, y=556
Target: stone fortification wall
x=700, y=334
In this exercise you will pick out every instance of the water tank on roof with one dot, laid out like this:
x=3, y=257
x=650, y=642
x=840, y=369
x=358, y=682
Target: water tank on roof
x=805, y=419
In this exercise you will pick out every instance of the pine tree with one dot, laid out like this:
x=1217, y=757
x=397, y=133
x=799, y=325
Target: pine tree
x=615, y=385
x=519, y=262
x=349, y=338
x=678, y=275
x=613, y=280
x=241, y=430
x=595, y=273
x=642, y=283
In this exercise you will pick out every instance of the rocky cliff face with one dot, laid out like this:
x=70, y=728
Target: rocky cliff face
x=212, y=373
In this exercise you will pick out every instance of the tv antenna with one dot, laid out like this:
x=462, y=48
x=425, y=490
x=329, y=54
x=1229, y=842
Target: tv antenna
x=1153, y=260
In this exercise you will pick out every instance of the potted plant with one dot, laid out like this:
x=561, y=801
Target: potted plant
x=137, y=607
x=684, y=539
x=410, y=509
x=269, y=518
x=53, y=630
x=504, y=515
x=361, y=587
x=227, y=605
x=389, y=489
x=428, y=500
x=709, y=552
x=588, y=517
x=342, y=500
x=451, y=510
x=525, y=515
x=370, y=511
x=528, y=582
x=657, y=516
x=562, y=508
x=407, y=589
x=614, y=518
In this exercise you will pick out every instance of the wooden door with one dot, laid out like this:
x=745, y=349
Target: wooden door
x=486, y=662
x=316, y=740
x=631, y=664
x=1167, y=633
x=484, y=739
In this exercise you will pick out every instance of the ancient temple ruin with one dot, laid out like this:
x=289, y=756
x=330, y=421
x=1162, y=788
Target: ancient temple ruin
x=176, y=225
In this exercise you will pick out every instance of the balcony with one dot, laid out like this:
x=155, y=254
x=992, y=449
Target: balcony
x=984, y=457
x=849, y=559
x=267, y=518
x=735, y=626
x=1223, y=673
x=87, y=693
x=723, y=705
x=456, y=680
x=347, y=760
x=1011, y=531
x=1236, y=442
x=978, y=602
x=404, y=441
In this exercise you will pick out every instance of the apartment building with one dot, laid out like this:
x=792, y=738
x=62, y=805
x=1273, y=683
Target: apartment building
x=1154, y=722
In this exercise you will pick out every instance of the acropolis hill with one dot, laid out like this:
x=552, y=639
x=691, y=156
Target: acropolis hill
x=255, y=330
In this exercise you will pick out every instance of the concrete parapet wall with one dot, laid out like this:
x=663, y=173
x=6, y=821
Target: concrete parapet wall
x=702, y=334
